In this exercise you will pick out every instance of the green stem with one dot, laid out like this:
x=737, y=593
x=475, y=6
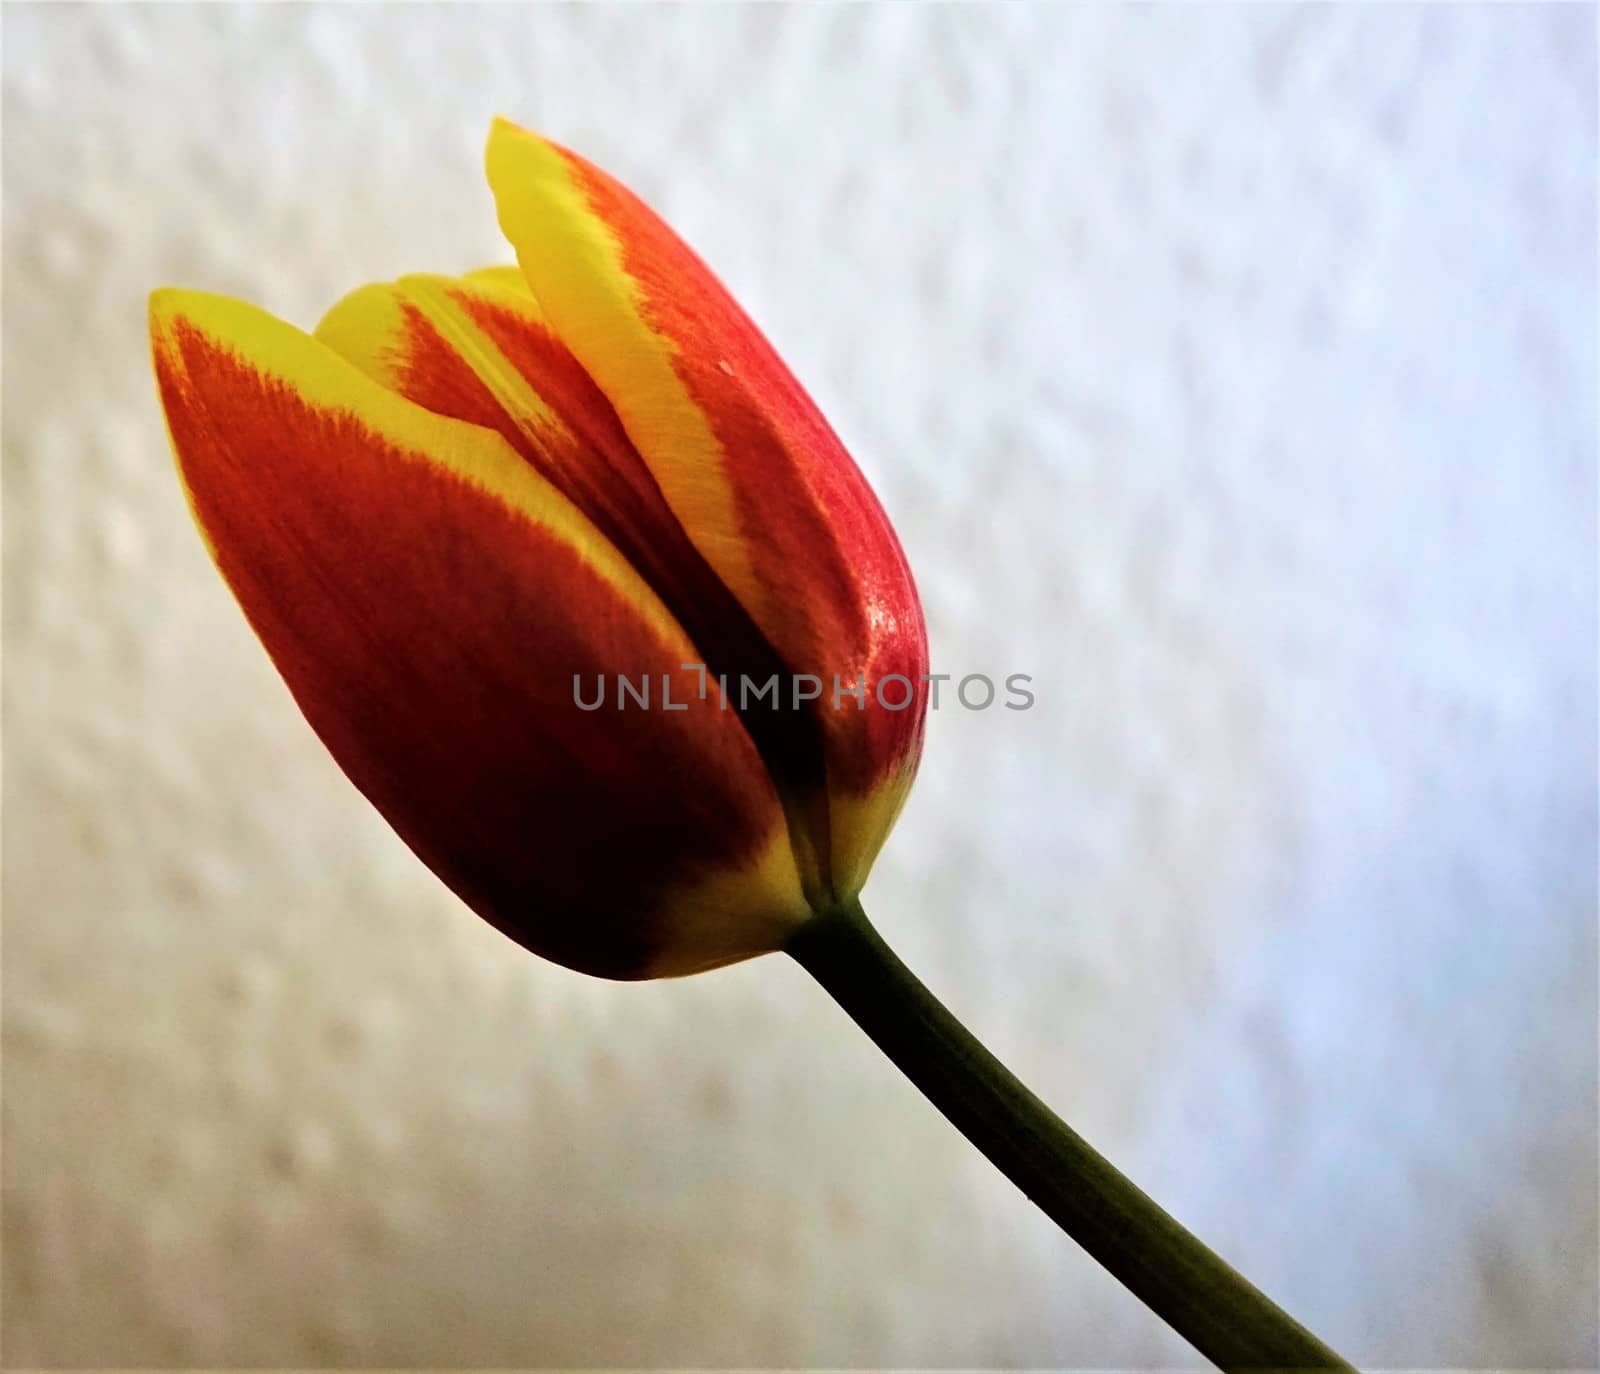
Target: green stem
x=1229, y=1321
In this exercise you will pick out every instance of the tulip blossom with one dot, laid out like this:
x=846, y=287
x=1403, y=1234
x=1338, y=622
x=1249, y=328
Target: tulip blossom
x=463, y=495
x=462, y=498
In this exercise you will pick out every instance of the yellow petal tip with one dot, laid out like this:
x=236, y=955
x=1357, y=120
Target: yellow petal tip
x=165, y=302
x=500, y=126
x=501, y=130
x=206, y=310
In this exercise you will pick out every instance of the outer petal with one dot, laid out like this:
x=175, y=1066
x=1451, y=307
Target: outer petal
x=742, y=456
x=428, y=599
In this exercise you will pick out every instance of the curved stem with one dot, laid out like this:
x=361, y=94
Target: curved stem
x=1228, y=1320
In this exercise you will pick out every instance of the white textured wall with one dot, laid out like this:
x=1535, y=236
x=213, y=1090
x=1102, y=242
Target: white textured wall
x=1232, y=371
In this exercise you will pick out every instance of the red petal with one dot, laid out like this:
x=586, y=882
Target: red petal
x=429, y=600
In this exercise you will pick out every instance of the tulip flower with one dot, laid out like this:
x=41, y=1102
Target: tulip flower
x=462, y=496
x=461, y=499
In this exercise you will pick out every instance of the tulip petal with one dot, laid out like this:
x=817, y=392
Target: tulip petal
x=470, y=349
x=430, y=600
x=748, y=465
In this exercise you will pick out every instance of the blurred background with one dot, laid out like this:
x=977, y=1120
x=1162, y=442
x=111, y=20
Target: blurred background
x=1230, y=370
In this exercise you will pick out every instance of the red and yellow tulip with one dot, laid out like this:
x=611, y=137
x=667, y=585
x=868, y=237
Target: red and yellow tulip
x=462, y=497
x=463, y=493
